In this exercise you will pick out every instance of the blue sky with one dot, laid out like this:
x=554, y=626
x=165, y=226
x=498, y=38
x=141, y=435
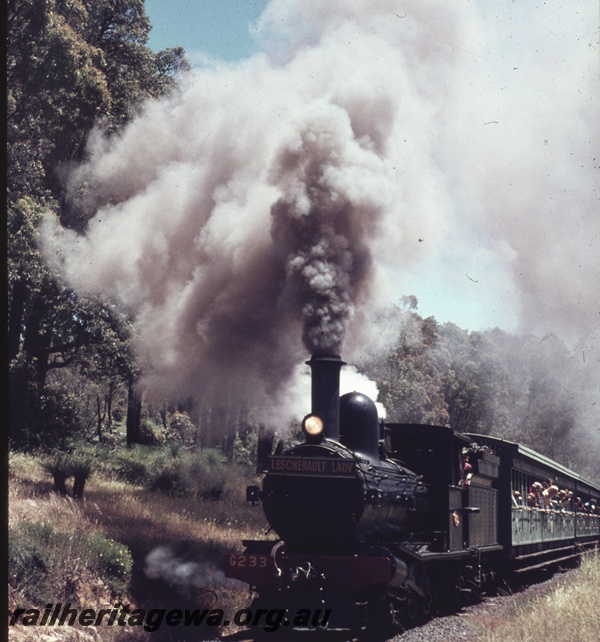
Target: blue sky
x=215, y=27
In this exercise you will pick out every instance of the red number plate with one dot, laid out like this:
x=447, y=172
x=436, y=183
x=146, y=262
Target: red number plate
x=248, y=561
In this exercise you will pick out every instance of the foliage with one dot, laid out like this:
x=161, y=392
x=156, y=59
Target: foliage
x=78, y=66
x=49, y=418
x=520, y=388
x=198, y=534
x=56, y=90
x=68, y=464
x=51, y=328
x=39, y=553
x=409, y=376
x=244, y=450
x=181, y=427
x=62, y=465
x=186, y=473
x=28, y=563
x=71, y=65
x=111, y=560
x=131, y=470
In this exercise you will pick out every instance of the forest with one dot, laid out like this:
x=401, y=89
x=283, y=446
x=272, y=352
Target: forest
x=75, y=65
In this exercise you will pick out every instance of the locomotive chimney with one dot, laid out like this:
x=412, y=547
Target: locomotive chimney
x=325, y=391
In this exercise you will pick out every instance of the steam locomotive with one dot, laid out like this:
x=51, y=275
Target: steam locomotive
x=377, y=522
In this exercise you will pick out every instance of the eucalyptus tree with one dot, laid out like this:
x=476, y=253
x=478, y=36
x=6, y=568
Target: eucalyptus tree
x=71, y=65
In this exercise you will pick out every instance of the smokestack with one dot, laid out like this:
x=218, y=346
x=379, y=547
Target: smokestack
x=325, y=391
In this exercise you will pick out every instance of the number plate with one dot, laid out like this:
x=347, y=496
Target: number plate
x=248, y=561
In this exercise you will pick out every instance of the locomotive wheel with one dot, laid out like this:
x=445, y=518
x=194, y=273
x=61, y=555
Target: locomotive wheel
x=385, y=614
x=395, y=616
x=426, y=605
x=412, y=609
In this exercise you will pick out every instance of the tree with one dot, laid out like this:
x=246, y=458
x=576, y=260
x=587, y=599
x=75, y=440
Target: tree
x=55, y=92
x=409, y=377
x=71, y=64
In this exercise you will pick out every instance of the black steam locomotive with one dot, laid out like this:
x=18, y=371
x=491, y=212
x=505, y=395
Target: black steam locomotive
x=376, y=522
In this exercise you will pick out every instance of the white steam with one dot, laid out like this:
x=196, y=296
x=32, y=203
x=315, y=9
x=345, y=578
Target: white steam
x=249, y=219
x=185, y=576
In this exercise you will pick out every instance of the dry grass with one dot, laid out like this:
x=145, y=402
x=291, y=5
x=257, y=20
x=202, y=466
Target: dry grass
x=568, y=614
x=33, y=506
x=192, y=536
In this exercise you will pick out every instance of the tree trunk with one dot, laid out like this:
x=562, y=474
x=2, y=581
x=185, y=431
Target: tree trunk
x=59, y=482
x=17, y=392
x=78, y=486
x=109, y=400
x=37, y=342
x=134, y=414
x=100, y=417
x=17, y=306
x=205, y=419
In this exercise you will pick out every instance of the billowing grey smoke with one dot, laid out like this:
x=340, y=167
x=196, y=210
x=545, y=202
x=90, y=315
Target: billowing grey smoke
x=257, y=215
x=321, y=231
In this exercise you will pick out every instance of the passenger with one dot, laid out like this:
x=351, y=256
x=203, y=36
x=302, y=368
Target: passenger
x=548, y=495
x=517, y=499
x=579, y=505
x=536, y=489
x=467, y=472
x=564, y=501
x=531, y=500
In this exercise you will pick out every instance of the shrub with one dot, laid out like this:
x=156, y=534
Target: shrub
x=28, y=564
x=131, y=470
x=181, y=427
x=150, y=434
x=244, y=450
x=80, y=467
x=178, y=472
x=48, y=418
x=111, y=559
x=40, y=558
x=63, y=465
x=57, y=465
x=167, y=478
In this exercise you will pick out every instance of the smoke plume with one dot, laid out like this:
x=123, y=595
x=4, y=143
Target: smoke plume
x=183, y=575
x=253, y=216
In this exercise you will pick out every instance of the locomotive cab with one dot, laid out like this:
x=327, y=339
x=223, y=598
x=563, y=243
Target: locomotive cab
x=435, y=453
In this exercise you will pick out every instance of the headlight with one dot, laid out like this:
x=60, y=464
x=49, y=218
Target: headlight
x=312, y=426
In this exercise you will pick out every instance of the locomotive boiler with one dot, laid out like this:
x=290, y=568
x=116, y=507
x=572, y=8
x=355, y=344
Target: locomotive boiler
x=375, y=522
x=358, y=494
